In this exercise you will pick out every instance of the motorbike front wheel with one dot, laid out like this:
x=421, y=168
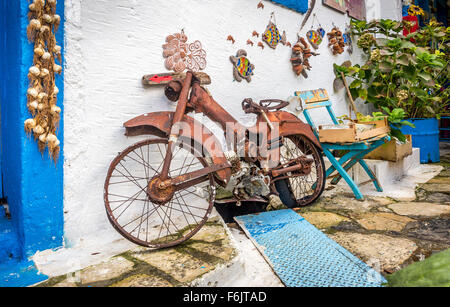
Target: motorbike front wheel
x=144, y=221
x=301, y=191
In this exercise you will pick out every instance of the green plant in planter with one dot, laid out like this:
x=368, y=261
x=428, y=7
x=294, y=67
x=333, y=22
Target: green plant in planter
x=400, y=74
x=396, y=119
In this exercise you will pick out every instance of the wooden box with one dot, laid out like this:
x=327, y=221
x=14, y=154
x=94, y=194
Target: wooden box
x=350, y=133
x=391, y=151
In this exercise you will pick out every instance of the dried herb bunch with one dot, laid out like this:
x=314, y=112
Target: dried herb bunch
x=42, y=93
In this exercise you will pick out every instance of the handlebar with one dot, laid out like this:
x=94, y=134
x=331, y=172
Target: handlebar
x=249, y=106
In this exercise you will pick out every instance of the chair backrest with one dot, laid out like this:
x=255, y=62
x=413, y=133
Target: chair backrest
x=315, y=99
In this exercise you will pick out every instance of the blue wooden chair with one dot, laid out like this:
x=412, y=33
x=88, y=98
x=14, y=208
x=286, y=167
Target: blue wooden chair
x=356, y=151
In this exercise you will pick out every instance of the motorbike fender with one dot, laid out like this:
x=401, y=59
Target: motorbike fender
x=289, y=124
x=160, y=124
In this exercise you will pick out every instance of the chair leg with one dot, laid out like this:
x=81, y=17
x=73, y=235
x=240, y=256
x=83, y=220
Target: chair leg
x=344, y=175
x=358, y=158
x=372, y=176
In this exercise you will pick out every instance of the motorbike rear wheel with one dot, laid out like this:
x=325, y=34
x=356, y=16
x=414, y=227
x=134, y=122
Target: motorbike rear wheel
x=141, y=219
x=301, y=191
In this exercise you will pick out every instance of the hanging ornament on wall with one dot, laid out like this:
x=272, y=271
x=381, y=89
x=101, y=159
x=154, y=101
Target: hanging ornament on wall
x=315, y=37
x=42, y=94
x=336, y=41
x=300, y=57
x=242, y=68
x=180, y=55
x=348, y=40
x=196, y=57
x=272, y=35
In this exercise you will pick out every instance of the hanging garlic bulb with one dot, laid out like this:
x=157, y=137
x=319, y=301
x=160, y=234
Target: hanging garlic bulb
x=32, y=92
x=44, y=73
x=35, y=24
x=39, y=51
x=57, y=49
x=33, y=105
x=45, y=29
x=40, y=106
x=32, y=7
x=46, y=56
x=56, y=143
x=43, y=138
x=38, y=130
x=35, y=71
x=30, y=124
x=41, y=96
x=56, y=19
x=55, y=110
x=57, y=68
x=55, y=90
x=51, y=138
x=47, y=18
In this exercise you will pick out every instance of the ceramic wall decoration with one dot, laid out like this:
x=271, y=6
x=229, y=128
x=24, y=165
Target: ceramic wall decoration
x=242, y=68
x=339, y=5
x=272, y=35
x=348, y=40
x=315, y=37
x=180, y=55
x=300, y=57
x=336, y=41
x=196, y=57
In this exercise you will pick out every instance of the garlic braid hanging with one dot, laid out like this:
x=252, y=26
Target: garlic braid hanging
x=42, y=94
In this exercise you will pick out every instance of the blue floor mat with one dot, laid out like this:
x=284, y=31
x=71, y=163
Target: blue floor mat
x=303, y=256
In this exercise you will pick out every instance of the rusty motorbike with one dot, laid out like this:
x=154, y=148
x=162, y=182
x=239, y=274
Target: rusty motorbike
x=160, y=192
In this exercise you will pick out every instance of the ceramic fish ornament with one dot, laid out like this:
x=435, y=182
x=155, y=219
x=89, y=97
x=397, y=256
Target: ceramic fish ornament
x=242, y=68
x=272, y=35
x=314, y=38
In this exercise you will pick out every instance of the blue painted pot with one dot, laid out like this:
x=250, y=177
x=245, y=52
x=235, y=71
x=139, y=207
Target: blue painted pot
x=426, y=137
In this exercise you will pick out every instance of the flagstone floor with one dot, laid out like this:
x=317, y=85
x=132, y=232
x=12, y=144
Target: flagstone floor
x=385, y=233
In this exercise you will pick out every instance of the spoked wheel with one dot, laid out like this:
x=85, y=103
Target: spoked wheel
x=134, y=211
x=300, y=191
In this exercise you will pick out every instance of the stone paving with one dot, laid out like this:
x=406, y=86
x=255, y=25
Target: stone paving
x=141, y=267
x=386, y=233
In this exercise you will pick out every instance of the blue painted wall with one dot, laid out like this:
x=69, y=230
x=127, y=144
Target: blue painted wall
x=300, y=6
x=33, y=183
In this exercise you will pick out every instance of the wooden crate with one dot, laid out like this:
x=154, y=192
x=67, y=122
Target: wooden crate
x=391, y=151
x=351, y=134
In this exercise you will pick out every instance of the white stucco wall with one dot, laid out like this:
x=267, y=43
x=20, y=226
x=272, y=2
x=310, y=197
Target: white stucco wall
x=111, y=44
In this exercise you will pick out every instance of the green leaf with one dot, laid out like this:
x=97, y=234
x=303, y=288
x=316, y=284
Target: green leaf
x=403, y=60
x=356, y=84
x=362, y=93
x=424, y=75
x=398, y=134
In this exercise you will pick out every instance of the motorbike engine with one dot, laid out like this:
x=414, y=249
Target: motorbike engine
x=247, y=179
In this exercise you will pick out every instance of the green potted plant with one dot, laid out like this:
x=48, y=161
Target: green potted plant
x=404, y=73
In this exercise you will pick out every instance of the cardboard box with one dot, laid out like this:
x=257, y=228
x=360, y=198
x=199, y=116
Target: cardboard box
x=391, y=151
x=351, y=134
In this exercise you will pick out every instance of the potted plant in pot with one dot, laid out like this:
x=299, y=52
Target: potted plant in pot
x=404, y=73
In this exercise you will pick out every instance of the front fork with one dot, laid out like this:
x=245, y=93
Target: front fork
x=174, y=133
